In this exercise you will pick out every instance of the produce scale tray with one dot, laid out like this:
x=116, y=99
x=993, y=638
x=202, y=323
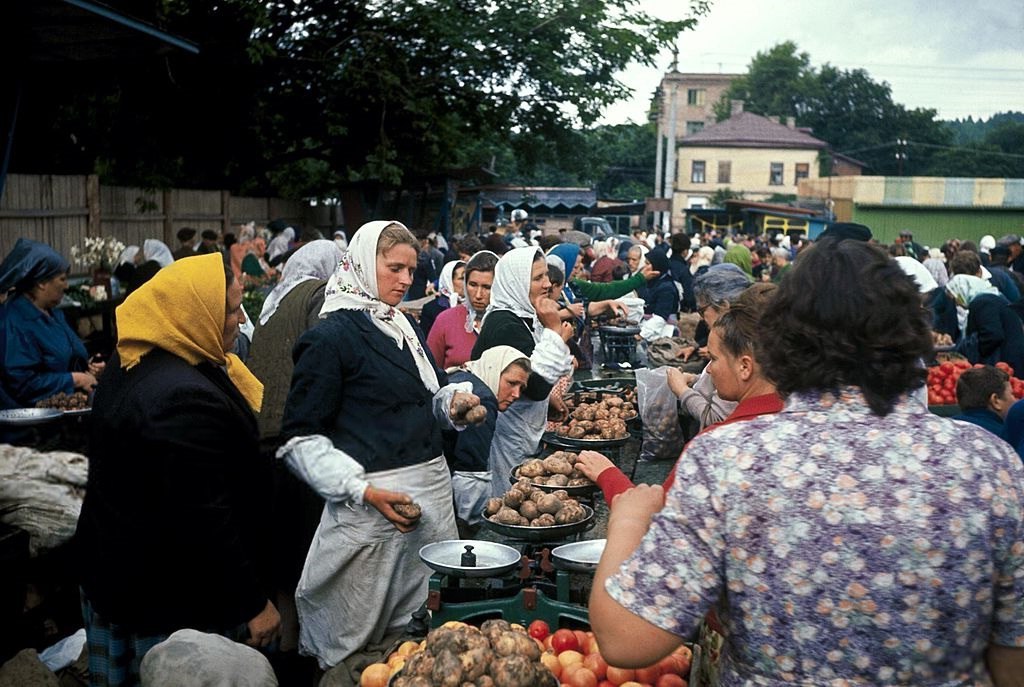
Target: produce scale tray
x=29, y=416
x=544, y=534
x=583, y=490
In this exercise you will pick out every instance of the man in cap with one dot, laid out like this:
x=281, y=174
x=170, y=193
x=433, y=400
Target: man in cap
x=187, y=239
x=514, y=233
x=847, y=230
x=1016, y=261
x=914, y=250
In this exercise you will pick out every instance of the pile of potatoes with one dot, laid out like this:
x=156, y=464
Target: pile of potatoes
x=557, y=470
x=593, y=430
x=525, y=505
x=497, y=654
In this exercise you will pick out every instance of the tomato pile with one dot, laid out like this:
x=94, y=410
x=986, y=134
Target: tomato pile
x=942, y=381
x=575, y=659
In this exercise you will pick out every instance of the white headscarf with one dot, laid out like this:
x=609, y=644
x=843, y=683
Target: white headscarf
x=492, y=363
x=965, y=288
x=987, y=243
x=315, y=260
x=445, y=285
x=511, y=290
x=152, y=249
x=353, y=286
x=279, y=244
x=919, y=273
x=127, y=255
x=471, y=317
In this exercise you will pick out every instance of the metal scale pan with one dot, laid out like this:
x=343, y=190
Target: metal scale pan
x=491, y=559
x=580, y=556
x=544, y=534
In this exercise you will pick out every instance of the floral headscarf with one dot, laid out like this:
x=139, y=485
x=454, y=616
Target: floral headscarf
x=353, y=286
x=965, y=288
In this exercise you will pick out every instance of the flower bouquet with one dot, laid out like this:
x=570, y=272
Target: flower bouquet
x=97, y=252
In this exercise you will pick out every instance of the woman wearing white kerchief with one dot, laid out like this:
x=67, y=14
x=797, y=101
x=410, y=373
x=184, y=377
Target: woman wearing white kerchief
x=449, y=293
x=454, y=332
x=498, y=378
x=522, y=316
x=279, y=244
x=363, y=423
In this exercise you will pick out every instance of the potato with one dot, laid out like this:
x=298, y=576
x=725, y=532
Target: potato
x=420, y=663
x=536, y=495
x=549, y=504
x=560, y=494
x=556, y=466
x=476, y=415
x=447, y=670
x=524, y=485
x=557, y=481
x=494, y=504
x=462, y=403
x=532, y=468
x=484, y=681
x=516, y=671
x=493, y=628
x=529, y=510
x=523, y=522
x=506, y=516
x=408, y=510
x=513, y=497
x=516, y=644
x=475, y=662
x=579, y=482
x=570, y=513
x=543, y=520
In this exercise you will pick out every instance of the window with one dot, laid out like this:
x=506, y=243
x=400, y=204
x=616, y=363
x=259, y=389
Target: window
x=697, y=172
x=695, y=96
x=803, y=170
x=694, y=127
x=724, y=172
x=776, y=175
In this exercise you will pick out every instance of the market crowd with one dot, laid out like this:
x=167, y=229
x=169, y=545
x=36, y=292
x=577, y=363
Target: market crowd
x=264, y=480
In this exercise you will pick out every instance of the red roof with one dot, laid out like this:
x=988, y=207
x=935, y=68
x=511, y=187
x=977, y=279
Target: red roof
x=748, y=130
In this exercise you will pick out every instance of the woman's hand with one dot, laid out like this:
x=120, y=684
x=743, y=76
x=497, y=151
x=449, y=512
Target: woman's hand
x=634, y=507
x=557, y=410
x=592, y=464
x=679, y=381
x=649, y=272
x=264, y=628
x=548, y=314
x=85, y=381
x=567, y=332
x=686, y=351
x=575, y=309
x=464, y=409
x=385, y=501
x=96, y=366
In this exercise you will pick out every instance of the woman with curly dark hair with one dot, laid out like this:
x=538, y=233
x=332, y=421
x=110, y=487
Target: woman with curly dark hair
x=852, y=538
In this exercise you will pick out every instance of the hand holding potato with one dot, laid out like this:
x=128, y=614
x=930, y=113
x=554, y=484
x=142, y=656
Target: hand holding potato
x=386, y=501
x=466, y=409
x=592, y=464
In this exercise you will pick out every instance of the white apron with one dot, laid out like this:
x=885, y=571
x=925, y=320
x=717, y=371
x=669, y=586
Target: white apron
x=364, y=578
x=472, y=489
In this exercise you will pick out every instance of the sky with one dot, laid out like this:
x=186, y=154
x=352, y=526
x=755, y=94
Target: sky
x=959, y=57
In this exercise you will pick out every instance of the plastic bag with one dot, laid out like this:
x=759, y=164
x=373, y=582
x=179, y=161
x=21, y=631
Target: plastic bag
x=663, y=436
x=634, y=309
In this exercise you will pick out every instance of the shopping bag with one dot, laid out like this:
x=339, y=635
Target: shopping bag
x=662, y=436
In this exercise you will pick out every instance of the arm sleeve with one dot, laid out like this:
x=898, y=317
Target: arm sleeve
x=613, y=482
x=551, y=360
x=332, y=473
x=702, y=402
x=25, y=375
x=594, y=291
x=316, y=301
x=317, y=386
x=674, y=575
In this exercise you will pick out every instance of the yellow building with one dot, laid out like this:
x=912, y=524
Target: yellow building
x=746, y=153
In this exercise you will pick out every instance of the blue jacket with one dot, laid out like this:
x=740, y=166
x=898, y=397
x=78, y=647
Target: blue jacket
x=984, y=418
x=662, y=297
x=38, y=351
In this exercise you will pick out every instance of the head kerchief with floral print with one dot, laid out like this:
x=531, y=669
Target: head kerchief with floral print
x=353, y=286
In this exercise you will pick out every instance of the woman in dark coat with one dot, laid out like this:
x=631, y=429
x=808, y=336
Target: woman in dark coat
x=363, y=426
x=172, y=529
x=993, y=331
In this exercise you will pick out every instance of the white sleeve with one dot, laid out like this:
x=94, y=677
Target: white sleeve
x=443, y=403
x=331, y=472
x=551, y=358
x=703, y=403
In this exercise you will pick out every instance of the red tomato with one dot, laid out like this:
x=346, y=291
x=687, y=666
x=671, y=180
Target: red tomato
x=538, y=629
x=583, y=639
x=596, y=664
x=946, y=367
x=962, y=364
x=564, y=640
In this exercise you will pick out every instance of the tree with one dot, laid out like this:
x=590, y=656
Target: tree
x=846, y=108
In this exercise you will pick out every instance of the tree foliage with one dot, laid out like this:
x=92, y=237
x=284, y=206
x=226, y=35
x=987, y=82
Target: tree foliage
x=302, y=98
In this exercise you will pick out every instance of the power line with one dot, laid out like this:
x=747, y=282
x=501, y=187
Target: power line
x=906, y=143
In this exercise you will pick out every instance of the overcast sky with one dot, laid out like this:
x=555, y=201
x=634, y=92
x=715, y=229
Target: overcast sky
x=959, y=57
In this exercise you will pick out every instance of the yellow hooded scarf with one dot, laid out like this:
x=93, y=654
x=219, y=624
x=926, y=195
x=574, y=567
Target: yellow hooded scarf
x=182, y=311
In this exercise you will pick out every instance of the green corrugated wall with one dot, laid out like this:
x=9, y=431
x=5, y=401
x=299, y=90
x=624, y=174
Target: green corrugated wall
x=934, y=226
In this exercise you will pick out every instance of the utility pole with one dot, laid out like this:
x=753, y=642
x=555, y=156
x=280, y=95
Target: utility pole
x=901, y=155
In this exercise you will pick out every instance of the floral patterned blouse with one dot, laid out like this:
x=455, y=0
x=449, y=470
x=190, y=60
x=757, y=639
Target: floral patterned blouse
x=843, y=548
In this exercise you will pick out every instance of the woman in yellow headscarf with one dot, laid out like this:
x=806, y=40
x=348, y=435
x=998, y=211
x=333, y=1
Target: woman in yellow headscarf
x=174, y=512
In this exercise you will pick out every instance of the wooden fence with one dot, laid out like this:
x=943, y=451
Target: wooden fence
x=62, y=210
